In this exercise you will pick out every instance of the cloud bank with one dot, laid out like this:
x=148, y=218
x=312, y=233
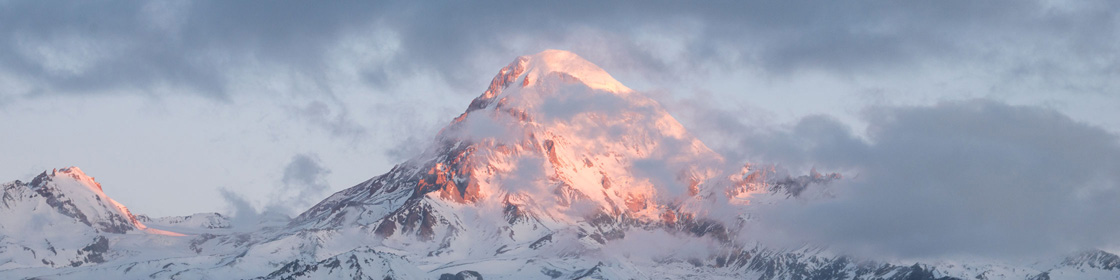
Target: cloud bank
x=209, y=48
x=969, y=178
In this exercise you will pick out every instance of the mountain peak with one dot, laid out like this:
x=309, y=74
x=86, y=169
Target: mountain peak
x=77, y=174
x=78, y=197
x=542, y=73
x=571, y=64
x=553, y=129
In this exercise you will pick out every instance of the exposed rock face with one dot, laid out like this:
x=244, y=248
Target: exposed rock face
x=462, y=275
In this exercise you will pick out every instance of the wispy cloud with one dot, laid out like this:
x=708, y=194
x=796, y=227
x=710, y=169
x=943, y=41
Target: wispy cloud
x=303, y=184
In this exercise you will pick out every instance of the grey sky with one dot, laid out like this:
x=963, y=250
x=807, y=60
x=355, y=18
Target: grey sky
x=169, y=103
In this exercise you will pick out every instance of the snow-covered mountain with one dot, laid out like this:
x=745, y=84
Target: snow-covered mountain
x=60, y=219
x=557, y=171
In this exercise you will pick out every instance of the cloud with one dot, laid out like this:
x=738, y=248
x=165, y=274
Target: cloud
x=106, y=45
x=367, y=60
x=635, y=246
x=303, y=184
x=572, y=100
x=664, y=174
x=205, y=46
x=241, y=211
x=482, y=125
x=305, y=173
x=752, y=135
x=337, y=120
x=973, y=178
x=981, y=151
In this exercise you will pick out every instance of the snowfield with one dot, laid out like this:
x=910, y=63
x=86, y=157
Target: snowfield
x=557, y=171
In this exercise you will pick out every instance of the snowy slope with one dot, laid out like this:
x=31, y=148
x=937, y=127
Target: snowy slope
x=541, y=158
x=557, y=171
x=192, y=224
x=61, y=218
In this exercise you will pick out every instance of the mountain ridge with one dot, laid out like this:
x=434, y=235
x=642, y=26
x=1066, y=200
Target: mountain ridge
x=556, y=171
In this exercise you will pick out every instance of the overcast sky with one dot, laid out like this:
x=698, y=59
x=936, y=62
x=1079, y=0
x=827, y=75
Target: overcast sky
x=176, y=105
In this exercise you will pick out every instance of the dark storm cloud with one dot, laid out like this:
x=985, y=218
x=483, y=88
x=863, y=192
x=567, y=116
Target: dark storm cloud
x=977, y=178
x=101, y=46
